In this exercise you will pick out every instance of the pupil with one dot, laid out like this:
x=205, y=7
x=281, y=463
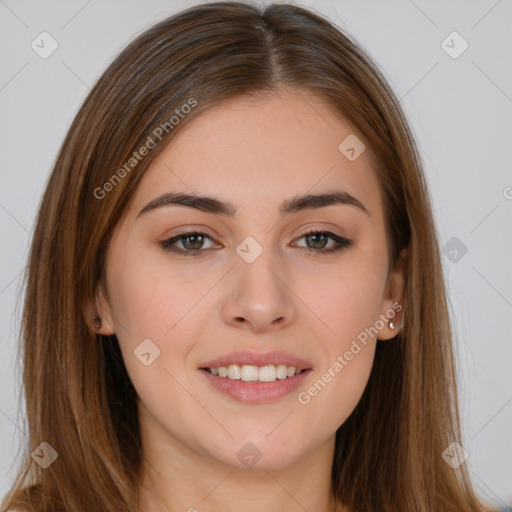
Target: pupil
x=315, y=238
x=196, y=241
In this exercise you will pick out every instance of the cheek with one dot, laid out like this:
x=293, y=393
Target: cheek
x=346, y=300
x=351, y=312
x=152, y=298
x=348, y=304
x=150, y=301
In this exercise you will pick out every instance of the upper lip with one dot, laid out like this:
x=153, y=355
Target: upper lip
x=248, y=357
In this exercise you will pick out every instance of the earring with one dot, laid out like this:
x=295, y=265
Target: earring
x=391, y=325
x=97, y=319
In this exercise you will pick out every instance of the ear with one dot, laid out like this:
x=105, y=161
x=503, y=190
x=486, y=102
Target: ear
x=392, y=306
x=95, y=308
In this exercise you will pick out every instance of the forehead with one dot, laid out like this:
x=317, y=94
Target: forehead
x=262, y=150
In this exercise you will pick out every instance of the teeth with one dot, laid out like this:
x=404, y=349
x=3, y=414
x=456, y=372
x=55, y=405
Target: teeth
x=234, y=371
x=282, y=371
x=250, y=373
x=267, y=373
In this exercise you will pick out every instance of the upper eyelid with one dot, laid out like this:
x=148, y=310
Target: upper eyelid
x=179, y=236
x=307, y=231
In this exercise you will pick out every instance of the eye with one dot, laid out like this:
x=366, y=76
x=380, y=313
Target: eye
x=191, y=241
x=319, y=241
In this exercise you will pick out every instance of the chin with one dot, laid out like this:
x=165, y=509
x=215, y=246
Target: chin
x=257, y=453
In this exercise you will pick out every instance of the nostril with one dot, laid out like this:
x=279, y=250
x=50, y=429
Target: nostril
x=279, y=320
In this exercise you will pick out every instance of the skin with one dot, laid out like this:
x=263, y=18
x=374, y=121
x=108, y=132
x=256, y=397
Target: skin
x=254, y=154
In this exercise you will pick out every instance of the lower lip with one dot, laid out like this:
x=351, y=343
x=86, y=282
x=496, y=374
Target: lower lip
x=256, y=392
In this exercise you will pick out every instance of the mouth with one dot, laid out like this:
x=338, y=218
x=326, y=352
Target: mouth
x=256, y=378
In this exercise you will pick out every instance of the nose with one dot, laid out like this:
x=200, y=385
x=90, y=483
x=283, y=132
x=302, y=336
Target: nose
x=261, y=298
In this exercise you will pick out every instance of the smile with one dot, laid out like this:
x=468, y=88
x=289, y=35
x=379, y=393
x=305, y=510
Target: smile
x=256, y=378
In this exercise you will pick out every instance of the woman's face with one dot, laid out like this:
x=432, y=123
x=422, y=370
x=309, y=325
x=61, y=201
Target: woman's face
x=258, y=295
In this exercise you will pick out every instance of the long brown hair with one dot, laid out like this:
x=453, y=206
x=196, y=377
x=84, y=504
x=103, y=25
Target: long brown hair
x=79, y=398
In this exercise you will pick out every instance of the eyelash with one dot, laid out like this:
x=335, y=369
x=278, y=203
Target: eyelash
x=342, y=243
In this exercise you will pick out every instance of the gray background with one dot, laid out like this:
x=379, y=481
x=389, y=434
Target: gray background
x=460, y=110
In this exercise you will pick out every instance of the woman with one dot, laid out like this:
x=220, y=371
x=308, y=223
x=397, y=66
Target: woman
x=234, y=293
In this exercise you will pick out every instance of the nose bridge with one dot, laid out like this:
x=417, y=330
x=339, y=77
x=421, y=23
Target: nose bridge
x=261, y=298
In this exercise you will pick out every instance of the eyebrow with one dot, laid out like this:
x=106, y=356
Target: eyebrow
x=218, y=207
